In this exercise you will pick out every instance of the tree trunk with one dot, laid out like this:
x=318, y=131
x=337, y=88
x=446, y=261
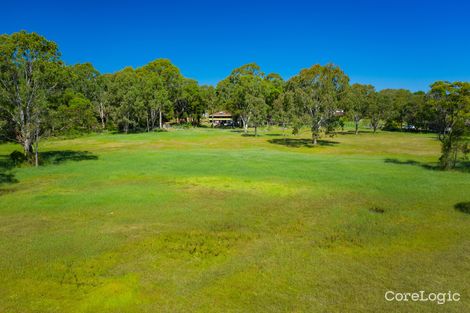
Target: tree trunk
x=245, y=122
x=256, y=130
x=160, y=118
x=356, y=124
x=27, y=147
x=153, y=117
x=102, y=115
x=316, y=132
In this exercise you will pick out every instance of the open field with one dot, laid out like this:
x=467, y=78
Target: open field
x=206, y=220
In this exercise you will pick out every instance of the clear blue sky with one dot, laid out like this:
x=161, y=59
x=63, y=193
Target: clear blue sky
x=389, y=44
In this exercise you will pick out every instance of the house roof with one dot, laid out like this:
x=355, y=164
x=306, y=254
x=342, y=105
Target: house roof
x=221, y=114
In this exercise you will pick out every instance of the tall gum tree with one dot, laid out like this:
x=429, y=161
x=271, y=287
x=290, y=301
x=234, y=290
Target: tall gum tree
x=29, y=64
x=320, y=90
x=238, y=90
x=170, y=80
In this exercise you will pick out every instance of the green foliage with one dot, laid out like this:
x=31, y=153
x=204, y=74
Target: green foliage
x=243, y=91
x=284, y=109
x=378, y=109
x=319, y=91
x=358, y=102
x=451, y=102
x=75, y=115
x=258, y=109
x=29, y=72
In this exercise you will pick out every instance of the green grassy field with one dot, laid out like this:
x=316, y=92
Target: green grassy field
x=212, y=221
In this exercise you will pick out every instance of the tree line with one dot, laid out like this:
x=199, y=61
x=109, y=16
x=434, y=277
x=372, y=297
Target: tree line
x=42, y=96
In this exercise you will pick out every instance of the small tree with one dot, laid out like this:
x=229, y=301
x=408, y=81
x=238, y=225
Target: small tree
x=380, y=108
x=284, y=109
x=258, y=111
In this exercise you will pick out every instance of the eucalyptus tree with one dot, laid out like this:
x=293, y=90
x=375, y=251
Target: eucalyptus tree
x=451, y=102
x=259, y=110
x=74, y=114
x=190, y=106
x=29, y=71
x=398, y=101
x=167, y=87
x=274, y=88
x=152, y=97
x=86, y=80
x=284, y=109
x=358, y=101
x=124, y=90
x=239, y=89
x=169, y=74
x=103, y=98
x=419, y=114
x=319, y=90
x=83, y=78
x=378, y=108
x=162, y=103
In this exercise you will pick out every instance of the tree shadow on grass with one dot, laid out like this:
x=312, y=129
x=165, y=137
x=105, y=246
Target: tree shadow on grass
x=463, y=207
x=352, y=132
x=9, y=162
x=7, y=177
x=298, y=142
x=461, y=166
x=58, y=157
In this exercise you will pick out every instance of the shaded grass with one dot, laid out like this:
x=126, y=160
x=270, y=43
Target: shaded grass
x=211, y=221
x=57, y=157
x=462, y=166
x=299, y=142
x=463, y=207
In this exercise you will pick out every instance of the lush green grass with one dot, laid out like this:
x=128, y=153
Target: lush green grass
x=211, y=221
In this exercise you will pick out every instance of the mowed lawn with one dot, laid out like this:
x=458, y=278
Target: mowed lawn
x=208, y=220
